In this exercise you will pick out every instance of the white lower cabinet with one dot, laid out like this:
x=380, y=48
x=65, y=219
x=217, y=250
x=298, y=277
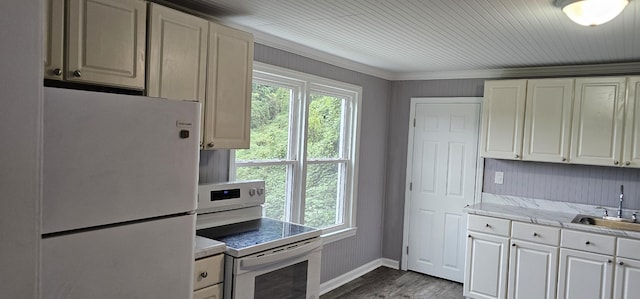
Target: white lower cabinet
x=533, y=261
x=212, y=292
x=627, y=269
x=487, y=259
x=584, y=275
x=208, y=275
x=515, y=260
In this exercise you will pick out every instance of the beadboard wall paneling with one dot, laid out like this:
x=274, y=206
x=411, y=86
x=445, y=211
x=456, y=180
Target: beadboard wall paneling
x=344, y=255
x=399, y=109
x=594, y=185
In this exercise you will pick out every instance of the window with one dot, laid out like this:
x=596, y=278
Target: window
x=304, y=140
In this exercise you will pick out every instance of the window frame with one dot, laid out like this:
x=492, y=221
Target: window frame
x=303, y=86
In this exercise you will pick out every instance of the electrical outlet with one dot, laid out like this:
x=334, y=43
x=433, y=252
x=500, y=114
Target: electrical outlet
x=499, y=178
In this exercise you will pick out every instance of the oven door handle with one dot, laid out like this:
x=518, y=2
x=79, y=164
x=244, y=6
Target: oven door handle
x=278, y=256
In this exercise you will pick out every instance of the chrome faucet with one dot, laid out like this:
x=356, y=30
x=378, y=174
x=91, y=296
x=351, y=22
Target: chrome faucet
x=621, y=199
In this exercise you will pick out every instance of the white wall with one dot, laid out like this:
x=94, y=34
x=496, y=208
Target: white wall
x=20, y=163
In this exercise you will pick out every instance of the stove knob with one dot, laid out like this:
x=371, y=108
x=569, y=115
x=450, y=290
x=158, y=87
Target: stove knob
x=260, y=191
x=252, y=191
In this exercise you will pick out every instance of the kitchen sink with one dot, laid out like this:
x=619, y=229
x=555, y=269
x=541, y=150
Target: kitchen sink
x=611, y=222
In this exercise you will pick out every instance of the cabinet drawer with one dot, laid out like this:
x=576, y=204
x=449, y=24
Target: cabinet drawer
x=629, y=248
x=536, y=233
x=208, y=271
x=212, y=292
x=588, y=242
x=489, y=225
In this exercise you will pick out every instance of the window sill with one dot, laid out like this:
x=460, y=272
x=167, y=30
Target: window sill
x=338, y=235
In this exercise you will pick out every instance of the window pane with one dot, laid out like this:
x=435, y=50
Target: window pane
x=324, y=127
x=322, y=206
x=269, y=123
x=275, y=186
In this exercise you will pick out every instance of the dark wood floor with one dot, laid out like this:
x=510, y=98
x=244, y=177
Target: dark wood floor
x=390, y=283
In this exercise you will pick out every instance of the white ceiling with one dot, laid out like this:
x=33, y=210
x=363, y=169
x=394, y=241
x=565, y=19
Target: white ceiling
x=426, y=38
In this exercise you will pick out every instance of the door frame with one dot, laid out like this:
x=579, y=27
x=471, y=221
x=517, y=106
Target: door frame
x=407, y=192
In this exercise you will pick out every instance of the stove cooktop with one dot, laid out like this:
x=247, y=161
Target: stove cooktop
x=253, y=236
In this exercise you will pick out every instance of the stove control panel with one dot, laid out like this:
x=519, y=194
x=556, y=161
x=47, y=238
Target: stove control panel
x=230, y=196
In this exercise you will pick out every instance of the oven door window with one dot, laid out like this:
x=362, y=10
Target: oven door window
x=286, y=283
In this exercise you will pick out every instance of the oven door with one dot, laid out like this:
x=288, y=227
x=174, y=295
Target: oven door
x=288, y=272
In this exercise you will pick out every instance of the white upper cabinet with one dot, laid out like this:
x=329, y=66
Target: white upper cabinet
x=177, y=54
x=53, y=39
x=503, y=119
x=547, y=128
x=631, y=154
x=106, y=42
x=598, y=121
x=228, y=101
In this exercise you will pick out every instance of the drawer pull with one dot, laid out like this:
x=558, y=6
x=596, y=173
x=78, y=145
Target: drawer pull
x=514, y=244
x=587, y=243
x=609, y=261
x=487, y=225
x=204, y=274
x=469, y=236
x=535, y=234
x=621, y=263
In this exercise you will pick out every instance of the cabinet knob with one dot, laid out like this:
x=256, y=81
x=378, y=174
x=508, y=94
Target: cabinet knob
x=210, y=144
x=627, y=163
x=564, y=159
x=77, y=73
x=517, y=156
x=609, y=261
x=469, y=236
x=57, y=72
x=616, y=162
x=621, y=263
x=204, y=274
x=587, y=243
x=535, y=234
x=487, y=225
x=514, y=244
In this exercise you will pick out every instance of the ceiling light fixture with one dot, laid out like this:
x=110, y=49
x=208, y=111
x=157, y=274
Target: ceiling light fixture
x=591, y=12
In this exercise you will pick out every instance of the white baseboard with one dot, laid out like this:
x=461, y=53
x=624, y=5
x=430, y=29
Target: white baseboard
x=335, y=283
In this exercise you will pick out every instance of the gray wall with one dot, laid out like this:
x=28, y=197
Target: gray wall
x=401, y=94
x=347, y=254
x=594, y=185
x=20, y=126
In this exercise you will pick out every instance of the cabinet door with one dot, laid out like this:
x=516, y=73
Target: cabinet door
x=632, y=125
x=547, y=128
x=177, y=64
x=503, y=119
x=53, y=39
x=532, y=270
x=228, y=104
x=584, y=275
x=106, y=42
x=212, y=292
x=627, y=279
x=486, y=266
x=596, y=134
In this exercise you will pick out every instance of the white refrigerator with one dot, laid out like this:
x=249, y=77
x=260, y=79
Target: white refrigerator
x=119, y=194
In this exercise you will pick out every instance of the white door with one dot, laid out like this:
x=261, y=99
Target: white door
x=443, y=178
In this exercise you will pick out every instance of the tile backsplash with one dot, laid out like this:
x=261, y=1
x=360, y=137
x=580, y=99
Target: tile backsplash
x=593, y=185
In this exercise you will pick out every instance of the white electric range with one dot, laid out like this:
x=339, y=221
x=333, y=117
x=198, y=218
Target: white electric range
x=265, y=258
